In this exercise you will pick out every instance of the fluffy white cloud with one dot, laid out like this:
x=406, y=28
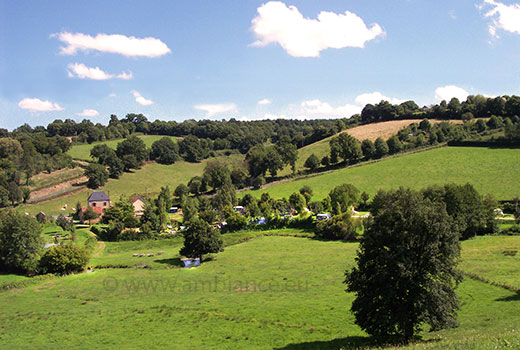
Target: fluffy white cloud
x=376, y=97
x=79, y=70
x=37, y=105
x=113, y=43
x=324, y=109
x=449, y=91
x=88, y=113
x=506, y=17
x=305, y=37
x=212, y=109
x=141, y=100
x=265, y=101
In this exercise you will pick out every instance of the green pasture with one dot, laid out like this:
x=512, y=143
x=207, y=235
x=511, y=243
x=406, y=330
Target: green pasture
x=147, y=180
x=268, y=293
x=491, y=170
x=82, y=152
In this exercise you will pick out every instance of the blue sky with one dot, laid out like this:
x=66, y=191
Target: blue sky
x=174, y=60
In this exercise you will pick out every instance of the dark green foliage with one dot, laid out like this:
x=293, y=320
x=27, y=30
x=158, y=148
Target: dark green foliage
x=406, y=268
x=394, y=145
x=20, y=242
x=190, y=208
x=208, y=215
x=165, y=151
x=239, y=177
x=312, y=163
x=339, y=227
x=200, y=239
x=250, y=204
x=381, y=147
x=235, y=221
x=425, y=125
x=64, y=259
x=193, y=149
x=181, y=191
x=471, y=214
x=342, y=197
x=216, y=174
x=194, y=185
x=307, y=192
x=346, y=147
x=226, y=196
x=97, y=175
x=368, y=148
x=258, y=182
x=132, y=151
x=297, y=201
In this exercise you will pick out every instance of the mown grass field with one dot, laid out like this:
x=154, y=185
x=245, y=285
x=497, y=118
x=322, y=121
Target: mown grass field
x=82, y=152
x=149, y=179
x=491, y=170
x=268, y=293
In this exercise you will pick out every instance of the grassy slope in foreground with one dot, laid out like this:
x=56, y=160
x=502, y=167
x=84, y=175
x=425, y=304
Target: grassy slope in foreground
x=490, y=170
x=148, y=179
x=271, y=292
x=83, y=151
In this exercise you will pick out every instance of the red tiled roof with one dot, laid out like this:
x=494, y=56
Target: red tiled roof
x=135, y=198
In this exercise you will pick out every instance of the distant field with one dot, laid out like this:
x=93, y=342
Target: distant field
x=491, y=171
x=82, y=152
x=268, y=293
x=149, y=179
x=369, y=131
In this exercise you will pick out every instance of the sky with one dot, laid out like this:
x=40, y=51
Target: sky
x=245, y=59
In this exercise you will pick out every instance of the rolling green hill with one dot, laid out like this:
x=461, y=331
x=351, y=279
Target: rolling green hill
x=491, y=171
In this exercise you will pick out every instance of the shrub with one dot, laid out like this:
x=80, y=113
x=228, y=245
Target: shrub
x=64, y=259
x=340, y=227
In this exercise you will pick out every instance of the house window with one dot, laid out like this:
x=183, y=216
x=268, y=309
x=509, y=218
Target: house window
x=93, y=204
x=104, y=204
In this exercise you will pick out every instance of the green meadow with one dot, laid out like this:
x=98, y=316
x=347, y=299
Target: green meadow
x=267, y=293
x=82, y=152
x=147, y=180
x=491, y=170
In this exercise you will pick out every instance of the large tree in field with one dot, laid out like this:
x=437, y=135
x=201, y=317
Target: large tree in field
x=97, y=175
x=406, y=267
x=132, y=146
x=20, y=242
x=200, y=239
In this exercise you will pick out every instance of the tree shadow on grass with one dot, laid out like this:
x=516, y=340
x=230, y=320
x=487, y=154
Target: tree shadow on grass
x=514, y=297
x=171, y=261
x=348, y=343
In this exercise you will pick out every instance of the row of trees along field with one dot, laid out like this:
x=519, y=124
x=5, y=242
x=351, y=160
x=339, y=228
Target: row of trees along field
x=346, y=148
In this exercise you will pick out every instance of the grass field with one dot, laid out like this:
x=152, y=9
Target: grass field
x=82, y=151
x=268, y=293
x=491, y=171
x=148, y=179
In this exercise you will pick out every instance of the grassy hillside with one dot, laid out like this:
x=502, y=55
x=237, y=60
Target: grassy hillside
x=268, y=293
x=148, y=179
x=493, y=171
x=82, y=152
x=369, y=131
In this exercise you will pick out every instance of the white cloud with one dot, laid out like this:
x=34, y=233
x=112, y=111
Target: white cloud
x=125, y=75
x=88, y=113
x=212, y=109
x=79, y=70
x=376, y=97
x=141, y=100
x=305, y=37
x=506, y=17
x=112, y=43
x=324, y=109
x=265, y=101
x=37, y=105
x=449, y=91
